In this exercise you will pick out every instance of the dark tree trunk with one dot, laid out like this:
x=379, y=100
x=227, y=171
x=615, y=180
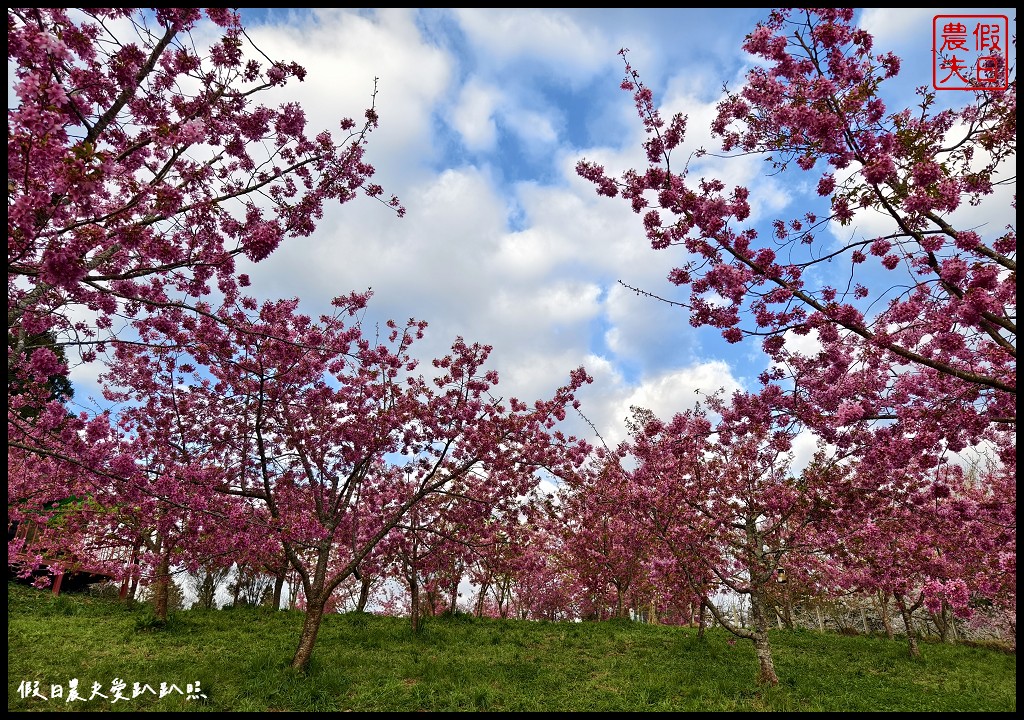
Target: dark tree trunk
x=279, y=578
x=318, y=593
x=133, y=588
x=944, y=624
x=503, y=597
x=766, y=666
x=481, y=599
x=131, y=580
x=414, y=601
x=908, y=622
x=237, y=590
x=454, y=606
x=364, y=593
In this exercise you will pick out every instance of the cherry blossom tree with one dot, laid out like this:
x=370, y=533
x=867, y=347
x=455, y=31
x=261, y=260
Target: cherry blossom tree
x=67, y=500
x=602, y=540
x=505, y=551
x=414, y=553
x=914, y=325
x=722, y=502
x=329, y=431
x=141, y=166
x=917, y=324
x=541, y=585
x=140, y=169
x=995, y=575
x=456, y=537
x=928, y=536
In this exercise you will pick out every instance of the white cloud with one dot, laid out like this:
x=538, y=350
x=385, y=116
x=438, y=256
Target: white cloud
x=808, y=345
x=665, y=395
x=559, y=304
x=345, y=53
x=536, y=131
x=547, y=36
x=804, y=446
x=473, y=115
x=894, y=26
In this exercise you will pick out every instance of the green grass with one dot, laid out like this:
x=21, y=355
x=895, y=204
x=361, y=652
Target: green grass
x=370, y=663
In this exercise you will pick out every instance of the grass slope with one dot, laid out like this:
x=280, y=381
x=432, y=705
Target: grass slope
x=370, y=663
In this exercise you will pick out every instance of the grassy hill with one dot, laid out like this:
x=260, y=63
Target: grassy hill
x=363, y=662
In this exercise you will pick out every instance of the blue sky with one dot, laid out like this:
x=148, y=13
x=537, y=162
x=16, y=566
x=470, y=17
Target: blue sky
x=483, y=116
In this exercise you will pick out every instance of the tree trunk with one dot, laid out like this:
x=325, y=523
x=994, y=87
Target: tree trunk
x=766, y=667
x=364, y=593
x=133, y=587
x=131, y=581
x=279, y=586
x=481, y=599
x=161, y=584
x=762, y=647
x=908, y=622
x=310, y=628
x=883, y=610
x=58, y=578
x=414, y=594
x=318, y=594
x=787, y=610
x=503, y=597
x=238, y=586
x=293, y=590
x=205, y=590
x=821, y=619
x=944, y=624
x=433, y=600
x=940, y=625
